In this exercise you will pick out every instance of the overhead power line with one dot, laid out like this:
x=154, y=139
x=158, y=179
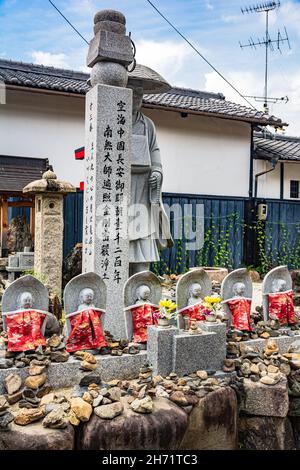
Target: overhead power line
x=69, y=22
x=199, y=53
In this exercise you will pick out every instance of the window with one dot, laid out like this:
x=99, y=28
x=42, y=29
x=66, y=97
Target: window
x=294, y=189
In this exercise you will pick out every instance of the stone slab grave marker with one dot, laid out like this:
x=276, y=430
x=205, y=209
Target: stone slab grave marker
x=107, y=163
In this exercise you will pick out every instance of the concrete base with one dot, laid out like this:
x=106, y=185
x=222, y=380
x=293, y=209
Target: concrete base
x=160, y=349
x=67, y=374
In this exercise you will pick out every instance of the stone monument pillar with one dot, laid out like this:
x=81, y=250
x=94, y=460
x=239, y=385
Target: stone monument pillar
x=107, y=162
x=49, y=228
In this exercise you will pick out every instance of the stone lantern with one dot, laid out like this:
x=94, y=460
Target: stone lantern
x=49, y=194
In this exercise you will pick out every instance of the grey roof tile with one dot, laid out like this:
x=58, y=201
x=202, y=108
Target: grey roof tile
x=285, y=147
x=186, y=100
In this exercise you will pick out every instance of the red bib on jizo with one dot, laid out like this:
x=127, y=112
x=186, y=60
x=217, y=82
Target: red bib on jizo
x=240, y=310
x=86, y=331
x=24, y=330
x=195, y=312
x=281, y=307
x=142, y=317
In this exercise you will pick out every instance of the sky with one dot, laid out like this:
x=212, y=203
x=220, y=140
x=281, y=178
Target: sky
x=32, y=31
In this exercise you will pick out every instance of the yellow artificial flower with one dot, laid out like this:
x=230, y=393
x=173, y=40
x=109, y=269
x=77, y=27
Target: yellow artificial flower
x=167, y=304
x=212, y=299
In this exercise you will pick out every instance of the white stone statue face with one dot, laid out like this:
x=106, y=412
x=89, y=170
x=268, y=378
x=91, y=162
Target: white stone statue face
x=143, y=293
x=86, y=296
x=26, y=300
x=239, y=289
x=279, y=285
x=137, y=98
x=195, y=291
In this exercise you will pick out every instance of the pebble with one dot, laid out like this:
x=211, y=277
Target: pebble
x=272, y=369
x=59, y=356
x=3, y=403
x=81, y=408
x=161, y=392
x=97, y=401
x=36, y=370
x=55, y=419
x=202, y=374
x=13, y=383
x=26, y=416
x=145, y=405
x=5, y=419
x=109, y=411
x=85, y=365
x=35, y=381
x=114, y=394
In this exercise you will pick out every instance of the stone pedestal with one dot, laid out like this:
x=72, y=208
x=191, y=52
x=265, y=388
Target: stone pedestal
x=49, y=226
x=173, y=350
x=160, y=349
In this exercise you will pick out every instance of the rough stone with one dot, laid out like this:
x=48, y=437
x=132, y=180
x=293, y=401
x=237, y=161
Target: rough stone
x=265, y=433
x=5, y=419
x=55, y=419
x=143, y=405
x=263, y=400
x=212, y=422
x=109, y=411
x=35, y=381
x=92, y=378
x=3, y=403
x=161, y=430
x=15, y=397
x=13, y=383
x=59, y=356
x=81, y=408
x=36, y=437
x=26, y=416
x=85, y=365
x=36, y=370
x=49, y=398
x=114, y=394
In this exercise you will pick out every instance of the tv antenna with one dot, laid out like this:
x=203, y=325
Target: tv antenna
x=268, y=43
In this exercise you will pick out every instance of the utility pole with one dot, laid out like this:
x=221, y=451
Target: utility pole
x=267, y=42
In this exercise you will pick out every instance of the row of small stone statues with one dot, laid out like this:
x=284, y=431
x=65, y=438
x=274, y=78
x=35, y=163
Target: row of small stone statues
x=26, y=318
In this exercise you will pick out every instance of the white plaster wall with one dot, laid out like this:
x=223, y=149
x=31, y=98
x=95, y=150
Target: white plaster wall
x=201, y=155
x=44, y=126
x=269, y=184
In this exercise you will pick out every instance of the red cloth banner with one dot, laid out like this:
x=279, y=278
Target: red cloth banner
x=281, y=307
x=86, y=331
x=24, y=330
x=195, y=312
x=240, y=310
x=142, y=317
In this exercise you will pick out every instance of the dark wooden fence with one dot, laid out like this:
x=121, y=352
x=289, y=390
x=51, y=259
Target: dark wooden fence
x=232, y=235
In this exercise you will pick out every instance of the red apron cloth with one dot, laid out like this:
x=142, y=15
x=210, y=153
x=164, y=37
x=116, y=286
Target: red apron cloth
x=142, y=317
x=24, y=330
x=86, y=331
x=195, y=312
x=240, y=310
x=281, y=307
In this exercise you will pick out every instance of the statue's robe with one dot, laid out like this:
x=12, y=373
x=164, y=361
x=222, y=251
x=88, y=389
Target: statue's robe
x=24, y=330
x=143, y=315
x=281, y=307
x=194, y=312
x=240, y=309
x=86, y=330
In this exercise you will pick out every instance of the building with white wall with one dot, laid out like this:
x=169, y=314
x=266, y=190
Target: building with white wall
x=205, y=141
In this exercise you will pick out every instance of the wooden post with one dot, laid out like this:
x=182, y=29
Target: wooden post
x=3, y=223
x=32, y=220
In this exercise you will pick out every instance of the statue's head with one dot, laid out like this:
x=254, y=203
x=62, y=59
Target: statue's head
x=86, y=296
x=137, y=97
x=143, y=293
x=279, y=285
x=195, y=290
x=26, y=300
x=239, y=289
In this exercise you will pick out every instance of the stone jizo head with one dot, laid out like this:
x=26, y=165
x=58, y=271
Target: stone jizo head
x=195, y=291
x=239, y=289
x=279, y=285
x=86, y=296
x=26, y=300
x=143, y=293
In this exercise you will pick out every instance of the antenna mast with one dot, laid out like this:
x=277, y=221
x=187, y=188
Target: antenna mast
x=267, y=42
